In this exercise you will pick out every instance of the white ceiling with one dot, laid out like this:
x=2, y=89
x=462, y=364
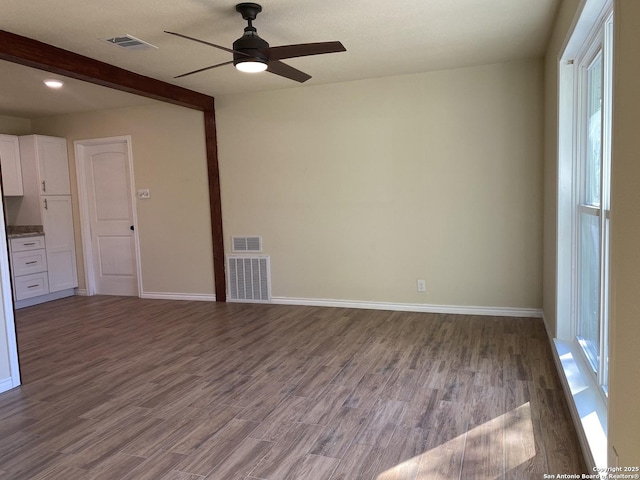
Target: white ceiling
x=382, y=38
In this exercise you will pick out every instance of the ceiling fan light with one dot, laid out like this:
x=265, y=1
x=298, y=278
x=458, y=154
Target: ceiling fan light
x=251, y=66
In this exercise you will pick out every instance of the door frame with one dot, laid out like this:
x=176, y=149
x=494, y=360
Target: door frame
x=8, y=311
x=85, y=225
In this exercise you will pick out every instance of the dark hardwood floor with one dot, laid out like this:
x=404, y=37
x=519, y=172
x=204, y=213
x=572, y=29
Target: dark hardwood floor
x=124, y=388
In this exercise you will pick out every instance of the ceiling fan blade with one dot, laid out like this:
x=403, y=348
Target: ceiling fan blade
x=303, y=49
x=207, y=43
x=284, y=70
x=203, y=69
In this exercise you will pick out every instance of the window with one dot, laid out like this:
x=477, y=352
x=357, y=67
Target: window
x=586, y=71
x=591, y=227
x=583, y=214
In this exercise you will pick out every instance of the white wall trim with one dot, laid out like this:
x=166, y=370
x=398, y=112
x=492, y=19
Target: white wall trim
x=586, y=406
x=588, y=410
x=81, y=292
x=7, y=312
x=412, y=307
x=7, y=384
x=400, y=307
x=201, y=297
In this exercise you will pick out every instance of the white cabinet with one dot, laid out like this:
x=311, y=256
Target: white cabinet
x=47, y=202
x=29, y=266
x=25, y=263
x=57, y=222
x=45, y=165
x=53, y=165
x=30, y=286
x=24, y=244
x=11, y=169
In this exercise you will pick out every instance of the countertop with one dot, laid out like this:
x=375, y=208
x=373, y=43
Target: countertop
x=16, y=231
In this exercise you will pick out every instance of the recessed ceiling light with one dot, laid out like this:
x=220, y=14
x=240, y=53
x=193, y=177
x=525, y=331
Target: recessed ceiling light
x=53, y=83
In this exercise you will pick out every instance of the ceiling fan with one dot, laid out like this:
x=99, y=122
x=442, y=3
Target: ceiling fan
x=253, y=54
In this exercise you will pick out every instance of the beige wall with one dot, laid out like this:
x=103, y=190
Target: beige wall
x=360, y=188
x=624, y=382
x=14, y=125
x=169, y=159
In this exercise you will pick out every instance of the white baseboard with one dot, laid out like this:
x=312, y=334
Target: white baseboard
x=6, y=384
x=163, y=295
x=400, y=307
x=412, y=307
x=202, y=297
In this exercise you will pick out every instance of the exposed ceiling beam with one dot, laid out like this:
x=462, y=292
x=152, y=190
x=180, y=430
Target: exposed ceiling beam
x=32, y=53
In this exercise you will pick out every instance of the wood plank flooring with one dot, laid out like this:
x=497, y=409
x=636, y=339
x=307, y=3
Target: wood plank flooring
x=124, y=388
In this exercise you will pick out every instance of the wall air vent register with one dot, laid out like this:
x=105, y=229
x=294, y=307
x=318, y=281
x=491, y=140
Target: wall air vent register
x=246, y=244
x=249, y=278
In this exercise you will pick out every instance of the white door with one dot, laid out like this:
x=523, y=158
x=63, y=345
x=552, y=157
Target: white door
x=108, y=208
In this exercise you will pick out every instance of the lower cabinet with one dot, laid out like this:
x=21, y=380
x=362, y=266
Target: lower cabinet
x=44, y=265
x=29, y=265
x=29, y=286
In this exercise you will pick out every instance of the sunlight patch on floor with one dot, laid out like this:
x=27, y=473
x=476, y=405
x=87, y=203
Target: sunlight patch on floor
x=487, y=451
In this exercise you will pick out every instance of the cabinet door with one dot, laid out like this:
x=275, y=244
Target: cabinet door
x=57, y=222
x=53, y=164
x=11, y=168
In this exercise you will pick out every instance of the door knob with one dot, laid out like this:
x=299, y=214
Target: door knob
x=131, y=228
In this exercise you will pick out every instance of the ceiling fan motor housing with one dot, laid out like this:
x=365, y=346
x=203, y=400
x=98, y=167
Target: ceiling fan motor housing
x=251, y=45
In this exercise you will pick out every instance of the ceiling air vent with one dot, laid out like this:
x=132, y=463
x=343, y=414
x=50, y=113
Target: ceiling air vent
x=130, y=42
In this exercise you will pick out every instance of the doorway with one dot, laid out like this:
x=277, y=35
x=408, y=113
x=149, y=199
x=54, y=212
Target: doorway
x=108, y=216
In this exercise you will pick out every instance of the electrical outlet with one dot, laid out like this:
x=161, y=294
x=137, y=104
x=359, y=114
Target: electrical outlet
x=144, y=193
x=422, y=285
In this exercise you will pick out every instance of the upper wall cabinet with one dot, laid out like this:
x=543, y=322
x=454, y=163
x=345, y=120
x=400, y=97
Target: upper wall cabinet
x=52, y=160
x=11, y=169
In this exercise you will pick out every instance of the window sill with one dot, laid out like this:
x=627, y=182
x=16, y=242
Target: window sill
x=587, y=406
